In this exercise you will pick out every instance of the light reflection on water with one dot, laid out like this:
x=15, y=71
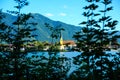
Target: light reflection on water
x=64, y=54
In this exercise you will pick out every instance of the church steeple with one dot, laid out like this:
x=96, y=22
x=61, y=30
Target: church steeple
x=61, y=42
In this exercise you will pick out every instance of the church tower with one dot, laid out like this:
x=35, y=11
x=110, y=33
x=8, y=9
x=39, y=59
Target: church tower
x=61, y=43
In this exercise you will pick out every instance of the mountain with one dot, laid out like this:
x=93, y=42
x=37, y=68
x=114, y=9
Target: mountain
x=43, y=33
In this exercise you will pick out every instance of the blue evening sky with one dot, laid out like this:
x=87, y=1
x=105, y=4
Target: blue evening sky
x=67, y=11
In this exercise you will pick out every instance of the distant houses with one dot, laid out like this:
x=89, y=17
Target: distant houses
x=62, y=45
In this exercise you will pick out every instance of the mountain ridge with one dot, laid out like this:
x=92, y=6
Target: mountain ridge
x=43, y=33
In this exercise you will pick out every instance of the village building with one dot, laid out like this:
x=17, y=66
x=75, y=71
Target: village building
x=69, y=44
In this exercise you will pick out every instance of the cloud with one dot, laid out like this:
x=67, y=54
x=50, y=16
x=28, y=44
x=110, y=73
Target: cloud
x=49, y=14
x=63, y=14
x=60, y=14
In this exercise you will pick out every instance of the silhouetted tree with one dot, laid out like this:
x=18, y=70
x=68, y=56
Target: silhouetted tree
x=55, y=34
x=55, y=31
x=4, y=59
x=18, y=34
x=92, y=40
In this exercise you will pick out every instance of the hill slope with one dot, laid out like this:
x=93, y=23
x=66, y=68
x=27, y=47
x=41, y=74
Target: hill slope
x=42, y=31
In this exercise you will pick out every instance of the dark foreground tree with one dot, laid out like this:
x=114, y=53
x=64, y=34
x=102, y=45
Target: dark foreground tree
x=55, y=34
x=3, y=55
x=16, y=64
x=98, y=31
x=19, y=33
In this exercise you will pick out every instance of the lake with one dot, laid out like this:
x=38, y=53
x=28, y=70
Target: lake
x=69, y=55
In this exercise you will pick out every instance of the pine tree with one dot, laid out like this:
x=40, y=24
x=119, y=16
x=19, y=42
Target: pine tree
x=92, y=40
x=55, y=34
x=18, y=34
x=3, y=55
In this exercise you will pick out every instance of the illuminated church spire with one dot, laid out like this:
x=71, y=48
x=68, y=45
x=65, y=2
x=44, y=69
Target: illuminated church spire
x=61, y=42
